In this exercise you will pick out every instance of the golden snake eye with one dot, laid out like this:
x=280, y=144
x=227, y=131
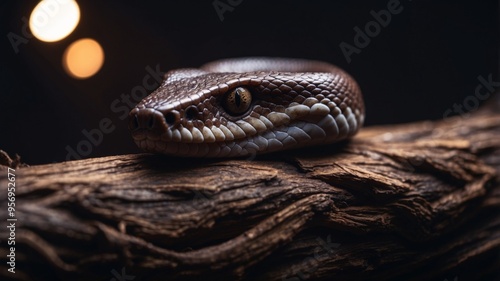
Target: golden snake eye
x=238, y=101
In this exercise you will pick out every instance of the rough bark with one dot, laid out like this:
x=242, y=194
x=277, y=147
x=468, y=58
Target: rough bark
x=416, y=201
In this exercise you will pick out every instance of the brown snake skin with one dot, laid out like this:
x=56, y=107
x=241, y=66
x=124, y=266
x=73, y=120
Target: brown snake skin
x=238, y=107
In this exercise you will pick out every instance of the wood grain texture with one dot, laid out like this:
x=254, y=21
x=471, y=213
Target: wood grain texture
x=415, y=201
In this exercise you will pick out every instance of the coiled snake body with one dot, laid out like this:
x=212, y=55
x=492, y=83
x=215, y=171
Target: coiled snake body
x=237, y=107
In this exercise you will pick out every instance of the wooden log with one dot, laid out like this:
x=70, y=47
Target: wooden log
x=415, y=201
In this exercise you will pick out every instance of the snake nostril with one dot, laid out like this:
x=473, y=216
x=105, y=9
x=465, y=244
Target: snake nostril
x=171, y=118
x=134, y=123
x=191, y=113
x=151, y=122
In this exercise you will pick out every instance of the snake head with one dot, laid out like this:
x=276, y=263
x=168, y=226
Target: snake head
x=202, y=113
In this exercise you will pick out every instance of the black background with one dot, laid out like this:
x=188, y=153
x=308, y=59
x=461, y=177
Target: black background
x=426, y=60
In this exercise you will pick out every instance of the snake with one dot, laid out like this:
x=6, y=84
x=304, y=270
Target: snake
x=247, y=106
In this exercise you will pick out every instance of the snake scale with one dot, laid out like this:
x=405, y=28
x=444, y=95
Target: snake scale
x=244, y=106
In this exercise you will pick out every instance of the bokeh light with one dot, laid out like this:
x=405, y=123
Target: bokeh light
x=53, y=20
x=83, y=58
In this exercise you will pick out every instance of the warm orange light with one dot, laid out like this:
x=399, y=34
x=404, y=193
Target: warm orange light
x=83, y=58
x=53, y=20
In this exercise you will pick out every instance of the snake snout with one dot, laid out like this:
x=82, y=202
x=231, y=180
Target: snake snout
x=147, y=119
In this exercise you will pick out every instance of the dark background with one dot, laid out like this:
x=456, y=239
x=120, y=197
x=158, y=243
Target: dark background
x=426, y=60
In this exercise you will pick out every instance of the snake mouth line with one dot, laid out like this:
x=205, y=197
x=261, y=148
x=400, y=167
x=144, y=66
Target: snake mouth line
x=151, y=124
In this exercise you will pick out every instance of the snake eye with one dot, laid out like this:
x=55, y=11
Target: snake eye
x=238, y=101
